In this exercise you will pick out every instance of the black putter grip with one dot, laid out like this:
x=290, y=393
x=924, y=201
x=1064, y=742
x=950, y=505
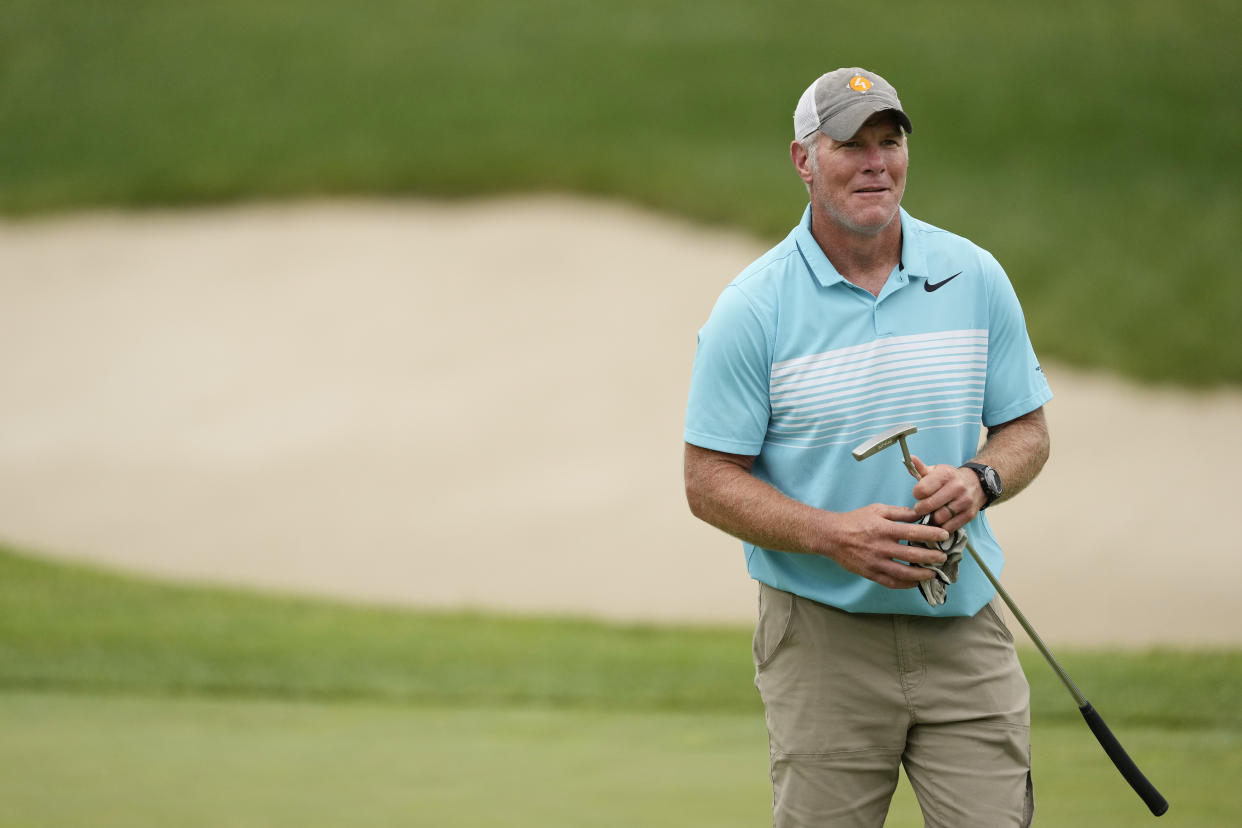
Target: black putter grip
x=1146, y=791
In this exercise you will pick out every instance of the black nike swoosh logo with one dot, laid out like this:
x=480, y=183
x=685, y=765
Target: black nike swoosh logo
x=930, y=286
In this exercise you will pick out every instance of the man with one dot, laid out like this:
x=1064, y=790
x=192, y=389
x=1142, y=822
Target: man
x=861, y=319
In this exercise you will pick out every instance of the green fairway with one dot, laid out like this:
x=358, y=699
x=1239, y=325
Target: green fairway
x=125, y=701
x=192, y=762
x=1090, y=146
x=74, y=760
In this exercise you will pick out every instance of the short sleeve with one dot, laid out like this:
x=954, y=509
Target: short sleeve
x=728, y=408
x=1016, y=384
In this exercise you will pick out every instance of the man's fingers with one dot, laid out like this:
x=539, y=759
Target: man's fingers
x=877, y=540
x=900, y=576
x=943, y=494
x=899, y=514
x=923, y=534
x=931, y=478
x=903, y=526
x=952, y=524
x=917, y=553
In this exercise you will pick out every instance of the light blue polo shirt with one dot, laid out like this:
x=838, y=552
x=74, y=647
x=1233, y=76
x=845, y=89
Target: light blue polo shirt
x=796, y=366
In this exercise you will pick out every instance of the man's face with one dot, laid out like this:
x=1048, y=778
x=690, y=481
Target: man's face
x=858, y=184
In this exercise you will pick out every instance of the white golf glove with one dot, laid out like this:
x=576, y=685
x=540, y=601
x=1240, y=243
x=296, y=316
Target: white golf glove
x=936, y=590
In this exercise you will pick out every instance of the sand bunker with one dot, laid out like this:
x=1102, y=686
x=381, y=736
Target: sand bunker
x=480, y=405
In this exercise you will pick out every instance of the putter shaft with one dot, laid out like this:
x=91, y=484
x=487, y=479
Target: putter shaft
x=1026, y=625
x=1151, y=797
x=1009, y=602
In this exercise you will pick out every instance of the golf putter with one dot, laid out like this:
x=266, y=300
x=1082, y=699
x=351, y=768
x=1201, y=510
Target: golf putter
x=1130, y=771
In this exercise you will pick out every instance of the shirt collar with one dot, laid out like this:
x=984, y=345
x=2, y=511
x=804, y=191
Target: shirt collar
x=913, y=259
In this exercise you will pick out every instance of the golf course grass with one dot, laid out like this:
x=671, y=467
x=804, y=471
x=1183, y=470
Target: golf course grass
x=159, y=704
x=191, y=761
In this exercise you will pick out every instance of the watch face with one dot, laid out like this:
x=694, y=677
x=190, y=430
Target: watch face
x=989, y=480
x=993, y=481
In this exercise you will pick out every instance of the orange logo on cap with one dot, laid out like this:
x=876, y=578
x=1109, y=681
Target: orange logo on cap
x=859, y=84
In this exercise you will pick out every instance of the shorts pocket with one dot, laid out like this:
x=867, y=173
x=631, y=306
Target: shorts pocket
x=772, y=628
x=993, y=611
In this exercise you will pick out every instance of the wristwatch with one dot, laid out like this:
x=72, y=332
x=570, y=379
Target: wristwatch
x=988, y=479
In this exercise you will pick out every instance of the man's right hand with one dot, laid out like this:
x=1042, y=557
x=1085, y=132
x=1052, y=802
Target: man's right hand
x=867, y=541
x=722, y=491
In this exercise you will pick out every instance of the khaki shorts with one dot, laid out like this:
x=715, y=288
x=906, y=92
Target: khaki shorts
x=848, y=697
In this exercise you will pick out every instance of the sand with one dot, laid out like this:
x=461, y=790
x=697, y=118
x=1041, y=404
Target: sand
x=480, y=404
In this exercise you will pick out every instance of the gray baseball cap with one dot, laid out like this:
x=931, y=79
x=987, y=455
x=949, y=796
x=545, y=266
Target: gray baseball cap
x=839, y=102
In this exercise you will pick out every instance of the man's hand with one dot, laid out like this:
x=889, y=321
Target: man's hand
x=721, y=490
x=866, y=541
x=952, y=496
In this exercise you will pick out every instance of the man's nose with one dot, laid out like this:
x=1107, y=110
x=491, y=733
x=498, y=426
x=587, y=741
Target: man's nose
x=875, y=159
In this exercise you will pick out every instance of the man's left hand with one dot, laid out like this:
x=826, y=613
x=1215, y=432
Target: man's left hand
x=952, y=496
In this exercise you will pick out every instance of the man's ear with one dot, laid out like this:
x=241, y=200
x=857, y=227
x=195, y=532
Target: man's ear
x=801, y=161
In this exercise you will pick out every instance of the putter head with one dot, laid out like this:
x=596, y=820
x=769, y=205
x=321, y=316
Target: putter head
x=883, y=440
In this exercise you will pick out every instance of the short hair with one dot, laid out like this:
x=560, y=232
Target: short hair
x=811, y=143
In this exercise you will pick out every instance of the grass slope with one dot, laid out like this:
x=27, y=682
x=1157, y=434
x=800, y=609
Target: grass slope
x=1087, y=145
x=68, y=627
x=158, y=704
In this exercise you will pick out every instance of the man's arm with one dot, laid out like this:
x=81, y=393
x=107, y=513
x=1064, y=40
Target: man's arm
x=722, y=491
x=1017, y=450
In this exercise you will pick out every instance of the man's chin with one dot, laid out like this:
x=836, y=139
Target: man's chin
x=864, y=221
x=868, y=224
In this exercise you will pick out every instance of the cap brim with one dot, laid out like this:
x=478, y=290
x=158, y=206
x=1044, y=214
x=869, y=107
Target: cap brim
x=846, y=124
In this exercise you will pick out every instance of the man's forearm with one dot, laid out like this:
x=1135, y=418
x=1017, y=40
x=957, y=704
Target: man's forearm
x=729, y=497
x=1017, y=450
